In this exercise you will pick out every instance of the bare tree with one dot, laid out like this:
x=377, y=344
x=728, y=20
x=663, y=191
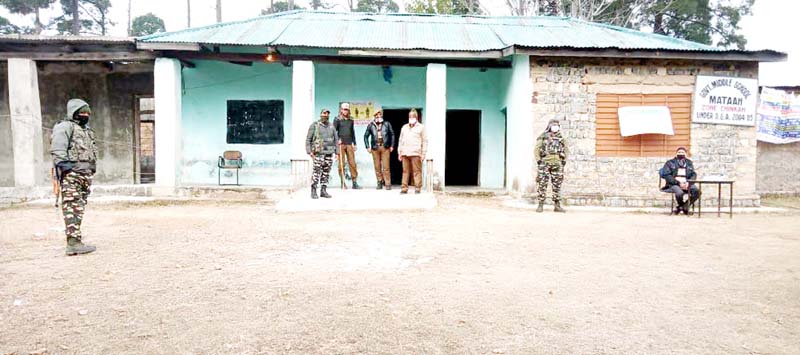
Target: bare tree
x=129, y=17
x=523, y=7
x=76, y=18
x=188, y=13
x=617, y=12
x=219, y=11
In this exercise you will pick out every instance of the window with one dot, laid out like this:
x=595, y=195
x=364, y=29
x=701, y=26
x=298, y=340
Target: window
x=609, y=142
x=255, y=122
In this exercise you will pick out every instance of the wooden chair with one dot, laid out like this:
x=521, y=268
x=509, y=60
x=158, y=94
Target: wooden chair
x=231, y=159
x=661, y=184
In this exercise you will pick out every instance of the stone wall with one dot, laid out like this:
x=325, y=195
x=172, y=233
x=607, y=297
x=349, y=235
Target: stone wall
x=6, y=145
x=566, y=89
x=778, y=169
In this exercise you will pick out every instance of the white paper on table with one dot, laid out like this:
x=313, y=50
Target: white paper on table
x=634, y=120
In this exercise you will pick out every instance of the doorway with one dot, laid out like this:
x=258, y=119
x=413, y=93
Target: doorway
x=398, y=118
x=145, y=140
x=462, y=148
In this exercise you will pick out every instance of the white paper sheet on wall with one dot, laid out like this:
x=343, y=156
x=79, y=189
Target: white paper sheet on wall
x=634, y=120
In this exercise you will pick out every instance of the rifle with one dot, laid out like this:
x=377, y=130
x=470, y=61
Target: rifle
x=56, y=175
x=342, y=167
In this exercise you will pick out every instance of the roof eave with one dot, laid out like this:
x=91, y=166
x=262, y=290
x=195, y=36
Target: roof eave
x=721, y=55
x=167, y=46
x=423, y=53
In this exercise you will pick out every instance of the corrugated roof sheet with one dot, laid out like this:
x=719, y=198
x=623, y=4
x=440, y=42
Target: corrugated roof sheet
x=344, y=30
x=19, y=38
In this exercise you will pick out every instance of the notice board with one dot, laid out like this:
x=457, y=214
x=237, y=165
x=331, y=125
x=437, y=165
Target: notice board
x=255, y=122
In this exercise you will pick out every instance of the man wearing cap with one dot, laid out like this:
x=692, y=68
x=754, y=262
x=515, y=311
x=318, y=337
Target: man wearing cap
x=551, y=156
x=379, y=140
x=411, y=151
x=677, y=172
x=321, y=146
x=347, y=142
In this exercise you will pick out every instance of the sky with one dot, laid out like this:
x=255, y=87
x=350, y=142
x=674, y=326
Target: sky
x=772, y=25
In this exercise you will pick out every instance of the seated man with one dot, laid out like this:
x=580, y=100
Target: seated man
x=677, y=172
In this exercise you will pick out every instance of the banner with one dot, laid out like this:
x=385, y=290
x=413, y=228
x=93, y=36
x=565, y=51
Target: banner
x=634, y=120
x=724, y=100
x=362, y=113
x=778, y=117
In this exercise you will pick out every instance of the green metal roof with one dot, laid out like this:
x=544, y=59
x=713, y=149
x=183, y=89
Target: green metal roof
x=344, y=30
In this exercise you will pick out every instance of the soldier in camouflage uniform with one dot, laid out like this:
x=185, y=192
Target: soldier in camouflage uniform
x=74, y=155
x=321, y=146
x=551, y=156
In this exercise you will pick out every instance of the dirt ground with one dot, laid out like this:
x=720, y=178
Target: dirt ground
x=470, y=277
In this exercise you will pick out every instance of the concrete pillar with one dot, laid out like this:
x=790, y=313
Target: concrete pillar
x=435, y=119
x=26, y=122
x=168, y=133
x=519, y=111
x=302, y=105
x=303, y=114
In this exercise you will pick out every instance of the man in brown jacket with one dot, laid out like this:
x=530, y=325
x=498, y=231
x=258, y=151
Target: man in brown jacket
x=411, y=151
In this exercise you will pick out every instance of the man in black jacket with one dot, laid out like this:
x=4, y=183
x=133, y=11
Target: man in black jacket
x=379, y=140
x=677, y=172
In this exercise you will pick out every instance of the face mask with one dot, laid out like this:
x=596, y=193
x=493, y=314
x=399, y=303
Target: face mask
x=323, y=118
x=554, y=129
x=83, y=120
x=412, y=121
x=379, y=120
x=681, y=156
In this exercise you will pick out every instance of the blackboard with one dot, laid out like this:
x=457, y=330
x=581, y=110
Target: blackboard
x=255, y=122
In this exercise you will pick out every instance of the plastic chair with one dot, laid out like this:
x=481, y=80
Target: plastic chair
x=231, y=159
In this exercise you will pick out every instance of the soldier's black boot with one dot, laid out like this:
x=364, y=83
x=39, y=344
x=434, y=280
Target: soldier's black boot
x=323, y=192
x=355, y=185
x=314, y=192
x=558, y=208
x=540, y=209
x=380, y=185
x=75, y=247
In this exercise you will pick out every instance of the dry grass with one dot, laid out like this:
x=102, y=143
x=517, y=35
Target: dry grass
x=469, y=277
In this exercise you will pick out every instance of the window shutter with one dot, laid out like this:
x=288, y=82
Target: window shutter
x=609, y=143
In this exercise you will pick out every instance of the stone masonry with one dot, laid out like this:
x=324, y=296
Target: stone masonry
x=778, y=169
x=566, y=89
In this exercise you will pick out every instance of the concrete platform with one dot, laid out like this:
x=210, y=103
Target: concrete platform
x=351, y=200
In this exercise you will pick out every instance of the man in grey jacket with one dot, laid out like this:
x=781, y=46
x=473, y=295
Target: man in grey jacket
x=321, y=145
x=74, y=155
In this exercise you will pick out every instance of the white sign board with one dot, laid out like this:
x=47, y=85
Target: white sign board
x=635, y=120
x=725, y=100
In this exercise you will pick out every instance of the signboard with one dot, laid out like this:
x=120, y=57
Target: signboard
x=778, y=117
x=635, y=120
x=725, y=100
x=362, y=113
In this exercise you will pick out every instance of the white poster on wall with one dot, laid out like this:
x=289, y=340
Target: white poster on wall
x=725, y=100
x=634, y=120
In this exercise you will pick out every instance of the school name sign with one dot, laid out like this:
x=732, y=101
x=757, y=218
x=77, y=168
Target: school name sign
x=724, y=100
